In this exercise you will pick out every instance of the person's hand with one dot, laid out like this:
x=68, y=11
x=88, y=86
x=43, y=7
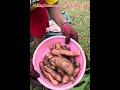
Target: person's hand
x=33, y=73
x=68, y=31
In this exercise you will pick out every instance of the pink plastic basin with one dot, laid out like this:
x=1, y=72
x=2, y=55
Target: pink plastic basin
x=43, y=48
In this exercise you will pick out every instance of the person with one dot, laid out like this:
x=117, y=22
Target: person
x=39, y=23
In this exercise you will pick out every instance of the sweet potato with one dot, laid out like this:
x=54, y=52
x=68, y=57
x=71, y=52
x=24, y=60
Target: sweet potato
x=50, y=66
x=57, y=46
x=48, y=76
x=53, y=64
x=65, y=52
x=76, y=71
x=72, y=60
x=60, y=71
x=63, y=63
x=54, y=74
x=64, y=47
x=48, y=56
x=77, y=64
x=72, y=79
x=47, y=63
x=65, y=79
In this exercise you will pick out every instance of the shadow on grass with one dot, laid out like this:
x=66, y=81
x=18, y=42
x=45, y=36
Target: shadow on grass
x=79, y=84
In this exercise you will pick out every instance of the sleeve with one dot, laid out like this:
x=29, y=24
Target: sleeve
x=51, y=1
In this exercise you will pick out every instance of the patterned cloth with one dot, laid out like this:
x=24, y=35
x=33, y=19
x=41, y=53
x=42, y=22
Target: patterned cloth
x=53, y=27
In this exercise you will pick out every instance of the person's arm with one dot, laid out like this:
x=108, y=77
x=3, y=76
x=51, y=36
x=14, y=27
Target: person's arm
x=56, y=15
x=66, y=28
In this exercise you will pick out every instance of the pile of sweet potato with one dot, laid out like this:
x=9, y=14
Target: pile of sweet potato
x=59, y=66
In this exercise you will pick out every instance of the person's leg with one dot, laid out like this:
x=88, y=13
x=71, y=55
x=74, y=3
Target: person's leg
x=38, y=40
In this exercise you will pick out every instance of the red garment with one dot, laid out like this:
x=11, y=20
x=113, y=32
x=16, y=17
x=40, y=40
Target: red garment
x=38, y=21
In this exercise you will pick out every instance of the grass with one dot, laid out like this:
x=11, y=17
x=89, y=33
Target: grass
x=80, y=19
